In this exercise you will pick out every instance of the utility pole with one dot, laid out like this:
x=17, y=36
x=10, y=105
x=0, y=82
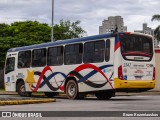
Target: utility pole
x=52, y=39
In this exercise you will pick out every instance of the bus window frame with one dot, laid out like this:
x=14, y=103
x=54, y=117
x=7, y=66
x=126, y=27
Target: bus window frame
x=61, y=56
x=97, y=40
x=82, y=52
x=140, y=55
x=30, y=63
x=45, y=57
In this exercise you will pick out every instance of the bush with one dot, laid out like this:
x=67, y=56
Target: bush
x=1, y=79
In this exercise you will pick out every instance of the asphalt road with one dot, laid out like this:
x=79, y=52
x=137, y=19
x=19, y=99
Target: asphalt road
x=119, y=103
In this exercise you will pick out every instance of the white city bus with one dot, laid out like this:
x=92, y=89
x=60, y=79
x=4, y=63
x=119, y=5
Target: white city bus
x=100, y=65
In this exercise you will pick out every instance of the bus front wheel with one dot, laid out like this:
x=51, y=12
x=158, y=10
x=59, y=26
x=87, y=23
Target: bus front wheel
x=22, y=90
x=72, y=90
x=105, y=95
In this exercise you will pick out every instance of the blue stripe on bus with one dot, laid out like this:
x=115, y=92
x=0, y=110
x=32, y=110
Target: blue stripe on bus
x=92, y=73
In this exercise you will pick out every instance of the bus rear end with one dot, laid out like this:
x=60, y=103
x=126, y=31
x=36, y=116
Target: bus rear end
x=136, y=69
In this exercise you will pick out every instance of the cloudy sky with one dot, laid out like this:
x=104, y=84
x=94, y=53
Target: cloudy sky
x=91, y=13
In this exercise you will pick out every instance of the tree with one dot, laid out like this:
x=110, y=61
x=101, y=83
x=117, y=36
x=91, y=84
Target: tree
x=68, y=30
x=31, y=31
x=26, y=33
x=3, y=29
x=157, y=30
x=157, y=33
x=156, y=17
x=20, y=34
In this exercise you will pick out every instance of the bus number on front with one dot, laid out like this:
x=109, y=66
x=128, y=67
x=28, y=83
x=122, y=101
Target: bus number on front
x=127, y=65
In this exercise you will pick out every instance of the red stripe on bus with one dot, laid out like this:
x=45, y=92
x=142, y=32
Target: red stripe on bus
x=41, y=76
x=157, y=51
x=117, y=45
x=85, y=66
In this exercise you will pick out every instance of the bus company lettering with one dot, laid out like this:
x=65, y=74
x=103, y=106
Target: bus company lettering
x=149, y=65
x=138, y=65
x=138, y=58
x=138, y=72
x=20, y=75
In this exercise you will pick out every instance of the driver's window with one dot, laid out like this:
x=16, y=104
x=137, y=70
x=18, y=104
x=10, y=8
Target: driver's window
x=10, y=64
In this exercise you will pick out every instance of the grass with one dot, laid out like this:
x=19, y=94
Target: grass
x=38, y=93
x=2, y=90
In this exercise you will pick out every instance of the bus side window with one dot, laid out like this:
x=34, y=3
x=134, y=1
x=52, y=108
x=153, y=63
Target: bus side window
x=24, y=59
x=55, y=56
x=107, y=51
x=99, y=51
x=94, y=51
x=73, y=54
x=88, y=52
x=39, y=57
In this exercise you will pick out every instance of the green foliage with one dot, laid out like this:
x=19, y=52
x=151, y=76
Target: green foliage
x=22, y=34
x=67, y=30
x=30, y=31
x=156, y=17
x=157, y=33
x=26, y=33
x=157, y=30
x=2, y=90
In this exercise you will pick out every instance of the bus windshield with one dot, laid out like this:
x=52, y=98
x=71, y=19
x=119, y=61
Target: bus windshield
x=136, y=47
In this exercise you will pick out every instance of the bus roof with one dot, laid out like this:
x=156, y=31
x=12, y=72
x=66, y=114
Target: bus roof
x=61, y=42
x=68, y=41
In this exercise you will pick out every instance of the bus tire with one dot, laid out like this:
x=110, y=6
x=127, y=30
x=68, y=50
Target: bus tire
x=104, y=95
x=71, y=90
x=22, y=90
x=50, y=94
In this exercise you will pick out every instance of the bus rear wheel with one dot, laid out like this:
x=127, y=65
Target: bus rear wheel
x=22, y=90
x=72, y=90
x=50, y=94
x=105, y=95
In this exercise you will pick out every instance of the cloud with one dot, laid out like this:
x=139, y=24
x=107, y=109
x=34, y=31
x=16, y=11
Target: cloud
x=90, y=12
x=20, y=10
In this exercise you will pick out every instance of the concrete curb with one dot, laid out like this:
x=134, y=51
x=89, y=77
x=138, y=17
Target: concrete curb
x=18, y=102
